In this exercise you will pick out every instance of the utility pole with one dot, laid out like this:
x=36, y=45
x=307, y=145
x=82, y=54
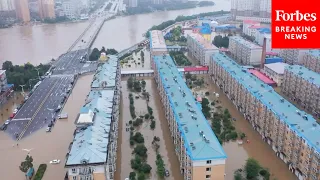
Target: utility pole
x=22, y=89
x=38, y=73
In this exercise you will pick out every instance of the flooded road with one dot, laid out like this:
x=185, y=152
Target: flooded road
x=45, y=146
x=38, y=44
x=166, y=146
x=256, y=149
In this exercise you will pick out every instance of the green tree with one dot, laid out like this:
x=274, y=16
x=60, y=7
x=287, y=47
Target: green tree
x=141, y=176
x=136, y=162
x=26, y=164
x=145, y=168
x=132, y=176
x=143, y=83
x=153, y=125
x=140, y=150
x=130, y=83
x=188, y=76
x=7, y=65
x=237, y=176
x=111, y=51
x=138, y=137
x=95, y=54
x=146, y=116
x=252, y=168
x=160, y=166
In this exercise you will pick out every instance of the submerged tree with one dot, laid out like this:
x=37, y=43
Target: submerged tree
x=26, y=164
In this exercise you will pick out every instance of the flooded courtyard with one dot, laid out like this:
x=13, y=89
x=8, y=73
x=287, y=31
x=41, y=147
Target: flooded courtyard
x=138, y=60
x=43, y=146
x=257, y=148
x=166, y=147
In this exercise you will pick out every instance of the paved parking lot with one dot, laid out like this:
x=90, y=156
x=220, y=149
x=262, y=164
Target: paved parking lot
x=40, y=108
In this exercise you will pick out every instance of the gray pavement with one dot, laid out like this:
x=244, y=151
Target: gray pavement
x=40, y=109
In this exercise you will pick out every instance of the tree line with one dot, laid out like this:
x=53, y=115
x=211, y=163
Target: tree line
x=166, y=24
x=220, y=41
x=26, y=74
x=95, y=54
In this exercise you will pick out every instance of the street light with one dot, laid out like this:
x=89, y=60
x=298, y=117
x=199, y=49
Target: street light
x=22, y=89
x=38, y=73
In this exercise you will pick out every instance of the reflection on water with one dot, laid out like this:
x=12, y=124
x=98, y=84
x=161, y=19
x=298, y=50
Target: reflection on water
x=39, y=43
x=46, y=146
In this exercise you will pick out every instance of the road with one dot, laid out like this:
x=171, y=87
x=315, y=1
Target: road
x=73, y=63
x=98, y=19
x=38, y=111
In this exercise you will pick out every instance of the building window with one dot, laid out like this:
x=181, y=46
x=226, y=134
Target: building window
x=208, y=176
x=208, y=169
x=74, y=177
x=73, y=170
x=209, y=162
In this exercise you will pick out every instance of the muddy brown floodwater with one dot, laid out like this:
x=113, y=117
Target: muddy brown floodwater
x=45, y=146
x=166, y=146
x=257, y=148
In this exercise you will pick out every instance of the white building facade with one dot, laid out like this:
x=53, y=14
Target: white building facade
x=292, y=56
x=200, y=49
x=275, y=71
x=245, y=52
x=7, y=5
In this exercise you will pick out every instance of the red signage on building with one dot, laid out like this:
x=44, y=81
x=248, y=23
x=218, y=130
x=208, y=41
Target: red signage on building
x=295, y=24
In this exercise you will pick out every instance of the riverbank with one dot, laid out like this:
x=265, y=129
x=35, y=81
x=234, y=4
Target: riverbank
x=170, y=6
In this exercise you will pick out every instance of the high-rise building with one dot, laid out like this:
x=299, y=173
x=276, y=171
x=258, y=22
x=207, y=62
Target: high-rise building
x=6, y=5
x=157, y=1
x=249, y=8
x=22, y=10
x=46, y=9
x=133, y=3
x=71, y=8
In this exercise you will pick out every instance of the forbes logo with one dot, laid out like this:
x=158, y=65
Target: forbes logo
x=296, y=16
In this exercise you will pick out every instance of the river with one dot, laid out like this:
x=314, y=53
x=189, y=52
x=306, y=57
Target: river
x=40, y=43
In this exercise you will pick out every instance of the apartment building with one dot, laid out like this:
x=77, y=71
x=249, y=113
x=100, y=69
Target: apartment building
x=93, y=152
x=311, y=60
x=6, y=5
x=157, y=44
x=245, y=52
x=200, y=49
x=199, y=152
x=251, y=8
x=22, y=10
x=292, y=56
x=275, y=71
x=133, y=3
x=292, y=134
x=71, y=8
x=242, y=8
x=249, y=27
x=46, y=9
x=303, y=86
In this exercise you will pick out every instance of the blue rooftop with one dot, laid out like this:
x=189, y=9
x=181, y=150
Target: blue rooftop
x=305, y=73
x=200, y=141
x=264, y=30
x=307, y=129
x=106, y=74
x=90, y=145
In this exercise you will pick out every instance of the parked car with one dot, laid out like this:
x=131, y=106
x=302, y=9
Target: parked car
x=55, y=161
x=48, y=129
x=7, y=122
x=166, y=173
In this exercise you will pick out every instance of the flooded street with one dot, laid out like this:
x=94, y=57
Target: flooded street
x=257, y=149
x=38, y=44
x=166, y=147
x=45, y=146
